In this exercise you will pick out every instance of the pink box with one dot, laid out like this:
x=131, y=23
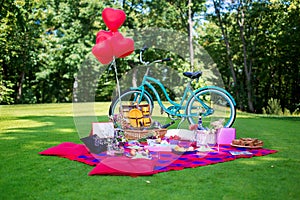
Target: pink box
x=225, y=135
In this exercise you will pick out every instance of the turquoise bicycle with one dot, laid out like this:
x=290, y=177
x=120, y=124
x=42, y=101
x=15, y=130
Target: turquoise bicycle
x=211, y=103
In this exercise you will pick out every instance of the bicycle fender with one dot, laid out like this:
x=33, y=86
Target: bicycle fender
x=217, y=88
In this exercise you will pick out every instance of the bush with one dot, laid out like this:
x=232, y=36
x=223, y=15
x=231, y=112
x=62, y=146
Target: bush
x=296, y=112
x=273, y=107
x=6, y=93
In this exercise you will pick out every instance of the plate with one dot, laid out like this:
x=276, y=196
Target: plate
x=249, y=147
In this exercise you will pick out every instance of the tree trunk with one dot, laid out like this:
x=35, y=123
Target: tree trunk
x=134, y=79
x=20, y=85
x=228, y=54
x=190, y=31
x=247, y=68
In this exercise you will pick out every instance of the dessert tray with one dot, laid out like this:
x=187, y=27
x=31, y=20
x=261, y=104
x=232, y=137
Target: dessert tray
x=251, y=143
x=243, y=146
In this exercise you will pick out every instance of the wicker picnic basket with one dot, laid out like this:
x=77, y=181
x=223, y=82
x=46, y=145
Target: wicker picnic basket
x=138, y=134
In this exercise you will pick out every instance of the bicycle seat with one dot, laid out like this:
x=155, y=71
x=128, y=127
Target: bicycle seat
x=192, y=75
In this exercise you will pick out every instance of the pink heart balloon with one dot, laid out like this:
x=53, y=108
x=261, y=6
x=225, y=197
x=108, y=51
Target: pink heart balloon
x=113, y=18
x=103, y=52
x=121, y=46
x=103, y=35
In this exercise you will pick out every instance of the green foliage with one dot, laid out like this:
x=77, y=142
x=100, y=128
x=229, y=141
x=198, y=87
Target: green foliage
x=44, y=43
x=269, y=65
x=296, y=112
x=273, y=107
x=5, y=93
x=20, y=31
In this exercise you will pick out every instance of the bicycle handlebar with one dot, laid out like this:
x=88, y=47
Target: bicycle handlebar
x=166, y=59
x=144, y=48
x=148, y=63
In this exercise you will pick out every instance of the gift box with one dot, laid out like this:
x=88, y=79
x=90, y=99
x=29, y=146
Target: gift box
x=226, y=135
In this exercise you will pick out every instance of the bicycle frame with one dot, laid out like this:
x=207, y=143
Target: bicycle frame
x=176, y=107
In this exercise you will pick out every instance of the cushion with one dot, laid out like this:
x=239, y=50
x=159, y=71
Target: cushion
x=124, y=166
x=65, y=149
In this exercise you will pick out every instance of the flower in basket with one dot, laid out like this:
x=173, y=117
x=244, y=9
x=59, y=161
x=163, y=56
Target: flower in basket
x=119, y=121
x=215, y=125
x=218, y=124
x=120, y=137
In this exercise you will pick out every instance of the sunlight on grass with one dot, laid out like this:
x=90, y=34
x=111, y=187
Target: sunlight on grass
x=7, y=138
x=61, y=109
x=32, y=145
x=269, y=158
x=260, y=161
x=240, y=114
x=17, y=125
x=102, y=108
x=66, y=130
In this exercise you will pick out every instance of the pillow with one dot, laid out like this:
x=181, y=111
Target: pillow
x=65, y=149
x=95, y=144
x=124, y=166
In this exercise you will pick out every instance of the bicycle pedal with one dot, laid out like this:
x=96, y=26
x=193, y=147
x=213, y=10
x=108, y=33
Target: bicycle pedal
x=162, y=111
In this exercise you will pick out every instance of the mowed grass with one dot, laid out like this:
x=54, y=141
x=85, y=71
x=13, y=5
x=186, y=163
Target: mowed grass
x=26, y=130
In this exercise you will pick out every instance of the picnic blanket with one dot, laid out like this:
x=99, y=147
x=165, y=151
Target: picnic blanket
x=161, y=162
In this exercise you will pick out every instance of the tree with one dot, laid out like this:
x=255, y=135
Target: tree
x=44, y=44
x=252, y=35
x=20, y=30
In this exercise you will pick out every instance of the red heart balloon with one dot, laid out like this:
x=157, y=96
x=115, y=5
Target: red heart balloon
x=103, y=52
x=121, y=46
x=126, y=46
x=113, y=18
x=103, y=35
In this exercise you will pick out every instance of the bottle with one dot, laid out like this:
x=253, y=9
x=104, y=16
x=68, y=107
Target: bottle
x=200, y=126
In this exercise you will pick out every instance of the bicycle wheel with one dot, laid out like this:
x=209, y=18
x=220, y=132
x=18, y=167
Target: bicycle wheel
x=130, y=98
x=213, y=104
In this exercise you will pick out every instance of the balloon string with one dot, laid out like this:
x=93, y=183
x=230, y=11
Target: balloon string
x=118, y=85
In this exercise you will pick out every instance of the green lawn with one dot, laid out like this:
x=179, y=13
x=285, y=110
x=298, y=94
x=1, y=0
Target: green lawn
x=26, y=130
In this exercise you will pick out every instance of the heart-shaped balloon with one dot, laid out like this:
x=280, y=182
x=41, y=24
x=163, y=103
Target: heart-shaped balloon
x=113, y=18
x=126, y=47
x=103, y=52
x=121, y=46
x=103, y=35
